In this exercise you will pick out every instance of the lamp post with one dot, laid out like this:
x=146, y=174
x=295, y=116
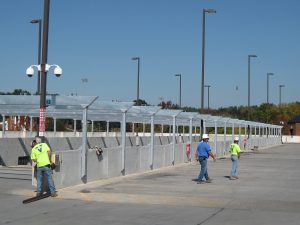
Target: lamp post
x=203, y=53
x=43, y=86
x=44, y=68
x=280, y=86
x=207, y=86
x=179, y=75
x=268, y=74
x=38, y=21
x=138, y=80
x=249, y=57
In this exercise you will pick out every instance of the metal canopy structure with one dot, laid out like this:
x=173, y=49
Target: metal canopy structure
x=91, y=108
x=72, y=107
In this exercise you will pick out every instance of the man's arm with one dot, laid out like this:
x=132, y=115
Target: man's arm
x=49, y=155
x=212, y=155
x=196, y=156
x=32, y=156
x=238, y=151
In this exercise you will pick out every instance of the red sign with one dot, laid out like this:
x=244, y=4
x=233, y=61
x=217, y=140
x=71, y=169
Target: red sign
x=42, y=121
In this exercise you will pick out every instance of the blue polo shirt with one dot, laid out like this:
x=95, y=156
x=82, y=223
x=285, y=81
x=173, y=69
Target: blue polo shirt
x=203, y=149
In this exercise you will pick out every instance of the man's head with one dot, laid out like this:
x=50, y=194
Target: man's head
x=205, y=137
x=236, y=140
x=33, y=143
x=38, y=139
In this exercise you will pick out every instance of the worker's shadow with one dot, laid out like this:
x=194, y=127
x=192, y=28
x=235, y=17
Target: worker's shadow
x=196, y=179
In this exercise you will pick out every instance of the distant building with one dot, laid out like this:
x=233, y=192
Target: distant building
x=294, y=126
x=6, y=125
x=17, y=123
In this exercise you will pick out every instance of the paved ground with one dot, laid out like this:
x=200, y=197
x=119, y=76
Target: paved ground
x=267, y=193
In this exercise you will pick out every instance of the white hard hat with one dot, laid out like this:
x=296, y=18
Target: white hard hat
x=236, y=139
x=38, y=139
x=205, y=136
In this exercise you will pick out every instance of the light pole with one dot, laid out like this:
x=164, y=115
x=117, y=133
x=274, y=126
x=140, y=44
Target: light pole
x=249, y=57
x=179, y=75
x=268, y=74
x=30, y=72
x=203, y=54
x=280, y=86
x=203, y=51
x=138, y=80
x=43, y=86
x=44, y=68
x=207, y=86
x=39, y=21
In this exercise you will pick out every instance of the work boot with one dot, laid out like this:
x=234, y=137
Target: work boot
x=208, y=181
x=201, y=182
x=53, y=194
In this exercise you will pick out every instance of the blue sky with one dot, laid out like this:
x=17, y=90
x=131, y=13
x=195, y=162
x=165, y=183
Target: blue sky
x=96, y=39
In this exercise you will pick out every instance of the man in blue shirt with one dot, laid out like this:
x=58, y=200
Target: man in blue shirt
x=203, y=153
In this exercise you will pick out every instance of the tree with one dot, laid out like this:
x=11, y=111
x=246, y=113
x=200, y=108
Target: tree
x=16, y=92
x=140, y=102
x=168, y=105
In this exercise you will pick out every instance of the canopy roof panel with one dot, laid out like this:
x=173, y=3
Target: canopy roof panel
x=72, y=107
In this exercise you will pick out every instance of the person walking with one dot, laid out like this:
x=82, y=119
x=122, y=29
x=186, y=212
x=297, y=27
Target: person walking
x=202, y=154
x=41, y=155
x=235, y=151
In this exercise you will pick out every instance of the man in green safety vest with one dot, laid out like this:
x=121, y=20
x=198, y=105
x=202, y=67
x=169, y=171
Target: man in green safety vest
x=235, y=155
x=41, y=155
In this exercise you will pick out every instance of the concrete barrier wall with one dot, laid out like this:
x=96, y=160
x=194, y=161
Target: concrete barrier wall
x=107, y=165
x=144, y=158
x=137, y=160
x=291, y=139
x=68, y=172
x=137, y=154
x=132, y=160
x=12, y=148
x=114, y=162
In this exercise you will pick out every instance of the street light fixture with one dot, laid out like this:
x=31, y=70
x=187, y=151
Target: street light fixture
x=280, y=86
x=138, y=80
x=249, y=57
x=38, y=21
x=179, y=75
x=45, y=69
x=268, y=74
x=207, y=86
x=57, y=69
x=203, y=53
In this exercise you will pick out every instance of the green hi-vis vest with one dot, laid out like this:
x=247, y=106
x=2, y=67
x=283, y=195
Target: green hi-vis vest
x=234, y=149
x=39, y=153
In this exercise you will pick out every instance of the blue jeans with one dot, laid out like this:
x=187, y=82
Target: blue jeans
x=234, y=160
x=39, y=176
x=203, y=170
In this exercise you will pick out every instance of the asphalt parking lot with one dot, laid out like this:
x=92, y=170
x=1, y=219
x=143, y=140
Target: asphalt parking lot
x=268, y=192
